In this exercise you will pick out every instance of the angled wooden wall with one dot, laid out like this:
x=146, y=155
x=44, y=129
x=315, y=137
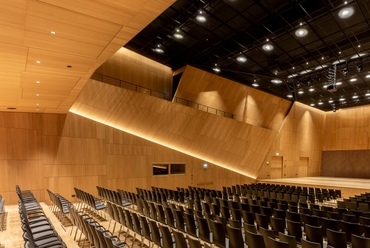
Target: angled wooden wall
x=297, y=150
x=235, y=145
x=247, y=104
x=59, y=152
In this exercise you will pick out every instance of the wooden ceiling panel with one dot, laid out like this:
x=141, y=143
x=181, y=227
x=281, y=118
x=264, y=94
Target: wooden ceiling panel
x=36, y=80
x=87, y=34
x=39, y=103
x=43, y=94
x=56, y=63
x=12, y=18
x=57, y=44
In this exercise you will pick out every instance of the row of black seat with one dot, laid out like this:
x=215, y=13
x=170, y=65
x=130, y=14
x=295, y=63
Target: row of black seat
x=59, y=205
x=152, y=230
x=114, y=196
x=38, y=230
x=88, y=200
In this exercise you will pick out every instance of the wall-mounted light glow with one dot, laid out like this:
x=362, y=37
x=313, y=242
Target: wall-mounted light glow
x=277, y=154
x=205, y=165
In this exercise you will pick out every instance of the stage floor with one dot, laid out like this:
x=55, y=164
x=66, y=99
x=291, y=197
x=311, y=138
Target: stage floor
x=349, y=186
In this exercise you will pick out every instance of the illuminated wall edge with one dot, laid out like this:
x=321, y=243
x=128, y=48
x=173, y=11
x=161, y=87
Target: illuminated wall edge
x=88, y=116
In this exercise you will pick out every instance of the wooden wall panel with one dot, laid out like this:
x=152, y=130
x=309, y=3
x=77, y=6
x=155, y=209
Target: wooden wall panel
x=245, y=103
x=300, y=140
x=125, y=64
x=209, y=137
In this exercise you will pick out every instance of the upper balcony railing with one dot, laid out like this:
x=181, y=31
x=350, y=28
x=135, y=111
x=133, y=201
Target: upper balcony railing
x=134, y=87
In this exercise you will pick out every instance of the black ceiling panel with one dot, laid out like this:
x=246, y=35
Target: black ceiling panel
x=235, y=27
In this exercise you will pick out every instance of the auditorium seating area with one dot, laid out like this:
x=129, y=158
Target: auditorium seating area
x=252, y=215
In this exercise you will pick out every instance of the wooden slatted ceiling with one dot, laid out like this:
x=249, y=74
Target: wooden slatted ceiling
x=87, y=33
x=231, y=144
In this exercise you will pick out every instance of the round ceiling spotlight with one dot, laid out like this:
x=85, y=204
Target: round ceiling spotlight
x=346, y=12
x=241, y=59
x=216, y=69
x=178, y=35
x=301, y=32
x=255, y=85
x=290, y=96
x=276, y=81
x=201, y=17
x=267, y=47
x=158, y=50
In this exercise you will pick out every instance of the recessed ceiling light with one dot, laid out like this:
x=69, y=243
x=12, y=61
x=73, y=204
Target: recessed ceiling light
x=293, y=67
x=338, y=83
x=276, y=81
x=37, y=82
x=300, y=92
x=241, y=59
x=353, y=80
x=290, y=96
x=216, y=69
x=325, y=86
x=37, y=94
x=368, y=76
x=201, y=18
x=339, y=52
x=355, y=96
x=268, y=47
x=255, y=85
x=367, y=94
x=358, y=46
x=178, y=36
x=320, y=103
x=52, y=32
x=312, y=104
x=158, y=50
x=346, y=12
x=37, y=104
x=301, y=32
x=342, y=99
x=267, y=40
x=322, y=57
x=330, y=101
x=311, y=89
x=38, y=62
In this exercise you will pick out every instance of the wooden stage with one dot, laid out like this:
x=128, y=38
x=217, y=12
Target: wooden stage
x=348, y=186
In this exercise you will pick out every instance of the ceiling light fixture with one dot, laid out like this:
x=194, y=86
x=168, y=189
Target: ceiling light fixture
x=342, y=99
x=367, y=94
x=200, y=17
x=300, y=92
x=216, y=69
x=37, y=82
x=276, y=81
x=355, y=96
x=38, y=62
x=312, y=104
x=52, y=32
x=255, y=85
x=301, y=32
x=178, y=35
x=338, y=83
x=358, y=55
x=311, y=89
x=320, y=103
x=330, y=101
x=241, y=59
x=290, y=96
x=267, y=47
x=353, y=80
x=368, y=76
x=346, y=12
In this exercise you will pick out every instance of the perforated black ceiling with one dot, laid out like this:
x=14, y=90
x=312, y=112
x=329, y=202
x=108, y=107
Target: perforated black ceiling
x=235, y=27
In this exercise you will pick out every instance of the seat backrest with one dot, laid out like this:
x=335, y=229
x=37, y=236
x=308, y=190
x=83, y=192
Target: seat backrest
x=360, y=242
x=179, y=239
x=218, y=233
x=289, y=239
x=309, y=244
x=235, y=237
x=336, y=239
x=166, y=236
x=273, y=243
x=254, y=240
